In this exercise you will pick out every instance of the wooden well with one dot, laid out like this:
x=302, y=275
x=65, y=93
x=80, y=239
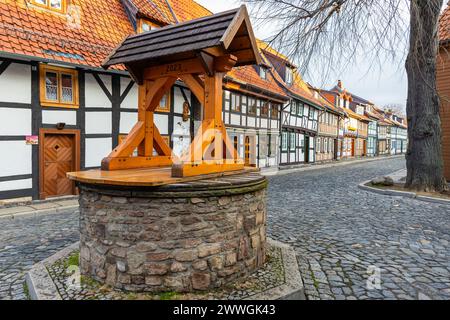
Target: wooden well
x=157, y=222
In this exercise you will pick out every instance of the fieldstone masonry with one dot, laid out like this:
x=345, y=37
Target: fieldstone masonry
x=195, y=236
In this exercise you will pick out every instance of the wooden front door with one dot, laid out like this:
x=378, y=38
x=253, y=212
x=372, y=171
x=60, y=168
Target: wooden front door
x=59, y=155
x=247, y=151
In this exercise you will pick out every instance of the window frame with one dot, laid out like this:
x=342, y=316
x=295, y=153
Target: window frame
x=238, y=107
x=165, y=109
x=43, y=70
x=140, y=23
x=47, y=6
x=262, y=71
x=264, y=106
x=284, y=141
x=292, y=146
x=253, y=107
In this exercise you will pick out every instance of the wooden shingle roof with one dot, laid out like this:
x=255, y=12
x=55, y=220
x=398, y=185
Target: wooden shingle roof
x=229, y=30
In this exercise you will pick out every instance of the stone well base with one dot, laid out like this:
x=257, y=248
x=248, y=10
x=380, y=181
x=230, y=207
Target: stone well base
x=184, y=237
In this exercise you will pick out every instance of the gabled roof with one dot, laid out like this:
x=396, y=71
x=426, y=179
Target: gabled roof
x=298, y=89
x=184, y=40
x=156, y=10
x=96, y=28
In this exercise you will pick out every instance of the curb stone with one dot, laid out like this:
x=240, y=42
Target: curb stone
x=41, y=286
x=334, y=164
x=405, y=194
x=35, y=213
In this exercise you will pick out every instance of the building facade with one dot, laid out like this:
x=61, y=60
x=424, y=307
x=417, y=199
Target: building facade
x=60, y=112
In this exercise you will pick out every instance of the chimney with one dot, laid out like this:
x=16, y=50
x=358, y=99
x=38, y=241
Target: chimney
x=340, y=84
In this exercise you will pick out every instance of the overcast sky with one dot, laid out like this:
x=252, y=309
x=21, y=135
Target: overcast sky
x=385, y=86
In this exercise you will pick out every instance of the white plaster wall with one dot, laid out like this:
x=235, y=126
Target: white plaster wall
x=235, y=119
x=98, y=122
x=15, y=158
x=162, y=122
x=131, y=100
x=274, y=124
x=54, y=116
x=96, y=150
x=263, y=123
x=127, y=121
x=95, y=97
x=15, y=122
x=15, y=84
x=179, y=99
x=251, y=122
x=284, y=158
x=16, y=185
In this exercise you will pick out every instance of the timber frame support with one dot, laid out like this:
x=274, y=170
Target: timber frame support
x=211, y=150
x=198, y=52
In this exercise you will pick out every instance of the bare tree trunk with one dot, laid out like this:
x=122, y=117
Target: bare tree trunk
x=424, y=157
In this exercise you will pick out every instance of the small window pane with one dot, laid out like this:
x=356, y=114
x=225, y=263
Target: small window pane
x=51, y=86
x=44, y=2
x=146, y=27
x=67, y=88
x=56, y=4
x=164, y=104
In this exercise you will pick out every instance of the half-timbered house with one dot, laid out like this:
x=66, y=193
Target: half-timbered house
x=299, y=116
x=60, y=111
x=330, y=131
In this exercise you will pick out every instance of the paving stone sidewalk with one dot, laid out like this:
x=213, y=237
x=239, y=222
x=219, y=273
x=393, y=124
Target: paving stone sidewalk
x=34, y=208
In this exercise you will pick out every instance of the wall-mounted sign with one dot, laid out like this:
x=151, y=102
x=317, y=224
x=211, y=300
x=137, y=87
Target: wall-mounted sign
x=32, y=140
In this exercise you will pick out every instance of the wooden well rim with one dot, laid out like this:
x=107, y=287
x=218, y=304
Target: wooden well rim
x=162, y=177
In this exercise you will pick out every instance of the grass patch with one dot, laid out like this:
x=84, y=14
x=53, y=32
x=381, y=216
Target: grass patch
x=26, y=290
x=74, y=259
x=168, y=296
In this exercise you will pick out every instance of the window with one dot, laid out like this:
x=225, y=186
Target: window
x=58, y=87
x=236, y=102
x=318, y=145
x=325, y=145
x=263, y=73
x=252, y=106
x=289, y=75
x=300, y=109
x=274, y=111
x=292, y=143
x=265, y=108
x=145, y=26
x=284, y=142
x=55, y=5
x=293, y=108
x=164, y=105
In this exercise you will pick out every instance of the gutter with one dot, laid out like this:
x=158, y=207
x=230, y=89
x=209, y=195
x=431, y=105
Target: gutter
x=22, y=57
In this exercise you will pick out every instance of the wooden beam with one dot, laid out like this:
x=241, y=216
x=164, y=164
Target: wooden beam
x=190, y=66
x=207, y=62
x=190, y=170
x=195, y=85
x=225, y=63
x=138, y=162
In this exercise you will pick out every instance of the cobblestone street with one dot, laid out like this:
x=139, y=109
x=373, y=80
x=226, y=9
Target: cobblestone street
x=27, y=240
x=339, y=232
